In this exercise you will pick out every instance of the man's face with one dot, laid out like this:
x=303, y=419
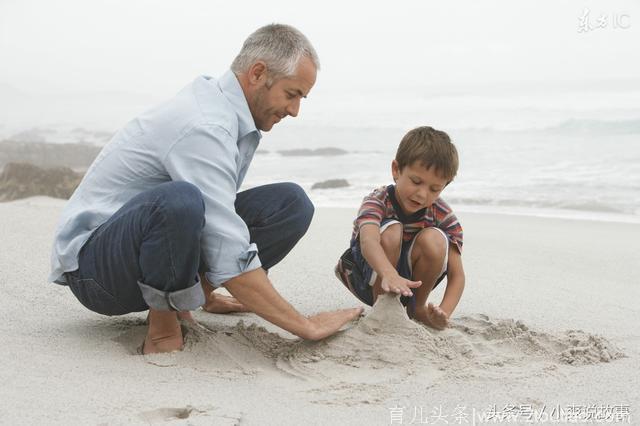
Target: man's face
x=273, y=102
x=416, y=187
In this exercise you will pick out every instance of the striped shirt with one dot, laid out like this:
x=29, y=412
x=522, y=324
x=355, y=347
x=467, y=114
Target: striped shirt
x=381, y=204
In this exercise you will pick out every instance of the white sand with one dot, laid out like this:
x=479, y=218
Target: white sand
x=549, y=317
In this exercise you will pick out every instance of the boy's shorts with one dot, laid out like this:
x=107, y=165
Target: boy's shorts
x=358, y=276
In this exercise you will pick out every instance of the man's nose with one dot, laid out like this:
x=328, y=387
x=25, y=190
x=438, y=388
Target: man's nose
x=293, y=108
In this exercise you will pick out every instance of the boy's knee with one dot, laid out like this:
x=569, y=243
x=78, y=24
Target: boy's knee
x=431, y=243
x=391, y=237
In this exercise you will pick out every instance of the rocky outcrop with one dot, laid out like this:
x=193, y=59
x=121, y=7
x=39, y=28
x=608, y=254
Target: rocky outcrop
x=22, y=180
x=331, y=183
x=75, y=155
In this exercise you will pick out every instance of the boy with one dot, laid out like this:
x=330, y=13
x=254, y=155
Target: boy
x=405, y=232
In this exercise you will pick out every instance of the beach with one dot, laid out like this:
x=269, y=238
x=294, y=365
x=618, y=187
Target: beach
x=548, y=321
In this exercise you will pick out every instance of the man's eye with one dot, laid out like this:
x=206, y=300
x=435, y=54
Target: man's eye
x=290, y=96
x=415, y=183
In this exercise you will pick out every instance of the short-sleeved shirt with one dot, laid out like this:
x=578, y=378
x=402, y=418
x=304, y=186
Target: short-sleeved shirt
x=381, y=205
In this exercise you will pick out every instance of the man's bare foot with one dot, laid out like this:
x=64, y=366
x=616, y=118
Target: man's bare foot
x=182, y=316
x=186, y=316
x=164, y=333
x=221, y=304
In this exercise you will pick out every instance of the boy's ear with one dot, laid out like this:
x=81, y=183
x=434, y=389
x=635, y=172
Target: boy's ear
x=395, y=170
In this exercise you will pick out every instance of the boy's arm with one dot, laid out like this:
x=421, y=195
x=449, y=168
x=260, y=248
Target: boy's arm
x=376, y=257
x=455, y=281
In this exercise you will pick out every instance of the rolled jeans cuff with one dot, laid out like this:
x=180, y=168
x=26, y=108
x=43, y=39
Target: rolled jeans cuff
x=187, y=299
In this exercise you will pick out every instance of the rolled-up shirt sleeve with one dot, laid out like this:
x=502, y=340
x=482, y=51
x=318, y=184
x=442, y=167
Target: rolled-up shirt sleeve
x=206, y=157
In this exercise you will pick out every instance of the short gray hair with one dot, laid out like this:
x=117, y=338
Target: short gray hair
x=280, y=46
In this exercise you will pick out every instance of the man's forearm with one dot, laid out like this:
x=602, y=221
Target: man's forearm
x=254, y=290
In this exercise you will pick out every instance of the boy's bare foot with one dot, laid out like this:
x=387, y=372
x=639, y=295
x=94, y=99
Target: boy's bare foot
x=221, y=304
x=164, y=333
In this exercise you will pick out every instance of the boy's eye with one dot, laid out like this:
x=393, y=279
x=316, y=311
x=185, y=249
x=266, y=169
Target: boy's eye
x=415, y=182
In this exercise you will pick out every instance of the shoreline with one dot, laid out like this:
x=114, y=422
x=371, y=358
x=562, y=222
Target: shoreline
x=565, y=214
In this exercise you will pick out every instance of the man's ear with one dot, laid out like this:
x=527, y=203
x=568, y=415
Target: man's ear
x=257, y=73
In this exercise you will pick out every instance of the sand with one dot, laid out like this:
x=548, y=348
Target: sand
x=548, y=319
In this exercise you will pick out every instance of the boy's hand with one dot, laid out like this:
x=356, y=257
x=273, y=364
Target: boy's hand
x=433, y=316
x=397, y=284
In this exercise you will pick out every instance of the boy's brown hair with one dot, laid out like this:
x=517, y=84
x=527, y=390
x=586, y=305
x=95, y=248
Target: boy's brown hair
x=432, y=148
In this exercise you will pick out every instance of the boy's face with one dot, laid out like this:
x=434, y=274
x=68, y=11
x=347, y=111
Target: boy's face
x=416, y=187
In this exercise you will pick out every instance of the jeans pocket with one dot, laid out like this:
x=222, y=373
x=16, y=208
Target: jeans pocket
x=95, y=298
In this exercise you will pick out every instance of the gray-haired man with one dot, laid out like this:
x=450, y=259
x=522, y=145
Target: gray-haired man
x=157, y=218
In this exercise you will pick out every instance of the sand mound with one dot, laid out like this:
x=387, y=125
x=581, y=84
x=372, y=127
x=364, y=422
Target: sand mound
x=386, y=345
x=364, y=362
x=221, y=352
x=499, y=342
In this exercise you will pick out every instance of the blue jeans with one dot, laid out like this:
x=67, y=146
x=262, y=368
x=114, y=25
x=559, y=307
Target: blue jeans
x=147, y=255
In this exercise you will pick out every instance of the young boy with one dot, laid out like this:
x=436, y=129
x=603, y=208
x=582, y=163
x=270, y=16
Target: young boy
x=405, y=236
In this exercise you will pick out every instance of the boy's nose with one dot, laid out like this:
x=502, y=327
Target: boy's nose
x=424, y=195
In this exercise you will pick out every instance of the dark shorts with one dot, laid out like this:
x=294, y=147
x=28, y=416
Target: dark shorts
x=358, y=276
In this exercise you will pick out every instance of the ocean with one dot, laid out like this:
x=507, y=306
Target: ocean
x=563, y=154
x=581, y=169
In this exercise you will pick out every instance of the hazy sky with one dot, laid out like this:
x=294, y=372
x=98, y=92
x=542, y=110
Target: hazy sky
x=149, y=46
x=383, y=63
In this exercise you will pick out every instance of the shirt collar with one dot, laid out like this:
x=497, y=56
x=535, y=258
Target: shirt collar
x=404, y=218
x=232, y=90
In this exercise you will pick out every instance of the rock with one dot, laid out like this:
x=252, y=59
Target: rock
x=74, y=155
x=331, y=183
x=22, y=180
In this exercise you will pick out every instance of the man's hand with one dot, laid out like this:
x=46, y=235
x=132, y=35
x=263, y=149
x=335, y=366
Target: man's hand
x=254, y=290
x=325, y=324
x=433, y=316
x=399, y=285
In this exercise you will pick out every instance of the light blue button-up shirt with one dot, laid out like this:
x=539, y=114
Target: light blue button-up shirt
x=205, y=135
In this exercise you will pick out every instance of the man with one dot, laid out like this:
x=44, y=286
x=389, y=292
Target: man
x=160, y=203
